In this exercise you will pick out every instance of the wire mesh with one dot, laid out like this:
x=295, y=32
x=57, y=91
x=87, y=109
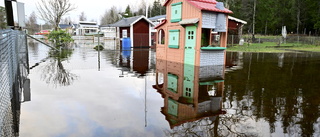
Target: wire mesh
x=14, y=69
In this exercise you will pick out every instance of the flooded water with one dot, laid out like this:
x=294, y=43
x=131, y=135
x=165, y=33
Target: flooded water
x=83, y=92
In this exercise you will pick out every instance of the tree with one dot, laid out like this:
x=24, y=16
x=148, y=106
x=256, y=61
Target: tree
x=52, y=11
x=157, y=9
x=82, y=17
x=66, y=20
x=127, y=13
x=31, y=23
x=141, y=8
x=3, y=23
x=110, y=16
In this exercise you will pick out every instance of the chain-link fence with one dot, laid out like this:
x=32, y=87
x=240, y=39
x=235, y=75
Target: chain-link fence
x=14, y=69
x=293, y=40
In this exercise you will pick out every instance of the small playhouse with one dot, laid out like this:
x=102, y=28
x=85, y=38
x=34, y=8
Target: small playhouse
x=185, y=36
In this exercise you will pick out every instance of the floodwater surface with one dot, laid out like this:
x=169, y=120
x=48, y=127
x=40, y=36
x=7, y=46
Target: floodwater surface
x=83, y=92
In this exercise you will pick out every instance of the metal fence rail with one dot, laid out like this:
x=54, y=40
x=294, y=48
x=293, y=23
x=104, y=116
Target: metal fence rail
x=14, y=69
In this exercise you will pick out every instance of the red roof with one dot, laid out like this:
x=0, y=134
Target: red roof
x=163, y=22
x=207, y=5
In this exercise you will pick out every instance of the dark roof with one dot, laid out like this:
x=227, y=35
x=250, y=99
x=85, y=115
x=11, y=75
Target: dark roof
x=126, y=22
x=64, y=26
x=157, y=17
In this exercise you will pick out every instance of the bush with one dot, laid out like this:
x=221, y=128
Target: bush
x=98, y=47
x=60, y=38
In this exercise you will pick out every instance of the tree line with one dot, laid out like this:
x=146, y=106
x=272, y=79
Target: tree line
x=113, y=14
x=268, y=16
x=263, y=16
x=110, y=16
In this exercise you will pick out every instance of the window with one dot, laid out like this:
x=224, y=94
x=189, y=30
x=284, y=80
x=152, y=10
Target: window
x=161, y=37
x=176, y=11
x=174, y=36
x=172, y=83
x=205, y=37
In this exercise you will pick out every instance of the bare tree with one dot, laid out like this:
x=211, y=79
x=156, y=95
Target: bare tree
x=66, y=20
x=110, y=16
x=52, y=10
x=82, y=17
x=31, y=23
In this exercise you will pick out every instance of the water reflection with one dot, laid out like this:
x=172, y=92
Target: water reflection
x=54, y=72
x=280, y=89
x=259, y=95
x=135, y=62
x=192, y=98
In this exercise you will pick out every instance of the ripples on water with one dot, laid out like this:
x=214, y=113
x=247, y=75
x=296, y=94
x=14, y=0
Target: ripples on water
x=123, y=94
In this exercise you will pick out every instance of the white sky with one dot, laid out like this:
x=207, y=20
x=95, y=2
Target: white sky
x=93, y=9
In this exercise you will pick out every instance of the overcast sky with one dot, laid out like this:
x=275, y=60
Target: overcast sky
x=93, y=9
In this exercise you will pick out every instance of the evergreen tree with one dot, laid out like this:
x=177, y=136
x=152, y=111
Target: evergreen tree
x=128, y=12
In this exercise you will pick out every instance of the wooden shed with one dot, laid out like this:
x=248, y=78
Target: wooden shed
x=137, y=29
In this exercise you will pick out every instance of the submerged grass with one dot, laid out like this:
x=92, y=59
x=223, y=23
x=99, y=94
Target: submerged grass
x=273, y=47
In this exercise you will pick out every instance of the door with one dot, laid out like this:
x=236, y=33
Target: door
x=190, y=44
x=189, y=61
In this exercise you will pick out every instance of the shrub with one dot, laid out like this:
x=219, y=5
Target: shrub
x=60, y=38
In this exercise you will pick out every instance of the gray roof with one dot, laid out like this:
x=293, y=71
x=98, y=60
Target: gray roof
x=189, y=21
x=126, y=22
x=64, y=26
x=157, y=17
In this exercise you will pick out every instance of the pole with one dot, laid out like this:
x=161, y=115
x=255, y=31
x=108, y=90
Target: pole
x=145, y=101
x=147, y=8
x=98, y=50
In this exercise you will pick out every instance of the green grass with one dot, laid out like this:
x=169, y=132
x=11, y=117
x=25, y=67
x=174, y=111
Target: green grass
x=307, y=48
x=263, y=47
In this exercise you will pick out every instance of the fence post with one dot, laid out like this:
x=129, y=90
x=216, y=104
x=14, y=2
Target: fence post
x=232, y=40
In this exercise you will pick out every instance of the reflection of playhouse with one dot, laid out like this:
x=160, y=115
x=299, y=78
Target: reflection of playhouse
x=187, y=101
x=137, y=29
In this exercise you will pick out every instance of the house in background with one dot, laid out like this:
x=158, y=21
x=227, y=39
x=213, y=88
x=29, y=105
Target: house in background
x=137, y=29
x=235, y=27
x=108, y=31
x=85, y=28
x=69, y=28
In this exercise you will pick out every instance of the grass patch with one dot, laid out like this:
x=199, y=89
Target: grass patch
x=267, y=47
x=307, y=48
